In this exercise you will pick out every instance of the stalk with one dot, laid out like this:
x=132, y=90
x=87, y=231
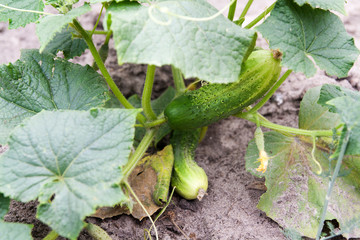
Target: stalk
x=103, y=69
x=178, y=80
x=333, y=178
x=271, y=92
x=97, y=21
x=280, y=128
x=260, y=17
x=246, y=9
x=232, y=9
x=146, y=96
x=139, y=152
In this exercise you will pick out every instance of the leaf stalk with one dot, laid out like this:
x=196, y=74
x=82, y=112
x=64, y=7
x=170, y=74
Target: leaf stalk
x=260, y=17
x=146, y=96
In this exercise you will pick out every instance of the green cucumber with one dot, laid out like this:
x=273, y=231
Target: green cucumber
x=190, y=179
x=213, y=102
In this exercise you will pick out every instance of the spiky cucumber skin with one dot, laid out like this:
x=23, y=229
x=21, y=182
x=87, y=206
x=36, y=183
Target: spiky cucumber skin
x=214, y=102
x=189, y=178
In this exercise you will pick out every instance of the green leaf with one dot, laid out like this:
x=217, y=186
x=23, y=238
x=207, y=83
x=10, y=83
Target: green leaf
x=64, y=41
x=4, y=205
x=49, y=26
x=303, y=32
x=313, y=116
x=346, y=103
x=75, y=155
x=295, y=194
x=10, y=231
x=212, y=50
x=329, y=91
x=337, y=5
x=19, y=18
x=38, y=82
x=348, y=109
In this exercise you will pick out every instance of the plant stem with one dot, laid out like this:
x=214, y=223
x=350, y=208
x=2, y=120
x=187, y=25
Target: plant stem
x=142, y=206
x=139, y=152
x=101, y=32
x=271, y=92
x=155, y=123
x=178, y=80
x=344, y=144
x=261, y=16
x=246, y=9
x=103, y=69
x=97, y=21
x=232, y=9
x=146, y=96
x=97, y=232
x=25, y=10
x=277, y=127
x=51, y=235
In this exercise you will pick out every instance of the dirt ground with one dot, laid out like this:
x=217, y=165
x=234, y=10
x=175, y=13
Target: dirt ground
x=229, y=210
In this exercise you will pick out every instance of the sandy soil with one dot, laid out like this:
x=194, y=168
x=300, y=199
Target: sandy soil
x=229, y=210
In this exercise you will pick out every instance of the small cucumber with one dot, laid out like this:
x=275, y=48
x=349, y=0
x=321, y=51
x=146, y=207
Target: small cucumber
x=213, y=102
x=189, y=179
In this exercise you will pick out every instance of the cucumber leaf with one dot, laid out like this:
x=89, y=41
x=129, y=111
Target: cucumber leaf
x=304, y=32
x=4, y=205
x=212, y=50
x=346, y=103
x=19, y=18
x=49, y=26
x=70, y=161
x=37, y=82
x=295, y=194
x=337, y=5
x=313, y=116
x=64, y=41
x=15, y=231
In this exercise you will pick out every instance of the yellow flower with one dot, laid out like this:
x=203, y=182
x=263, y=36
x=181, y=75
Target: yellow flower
x=264, y=160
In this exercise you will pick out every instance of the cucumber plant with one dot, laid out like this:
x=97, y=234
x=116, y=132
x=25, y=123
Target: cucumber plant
x=70, y=138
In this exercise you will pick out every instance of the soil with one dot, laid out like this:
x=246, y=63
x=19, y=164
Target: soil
x=228, y=211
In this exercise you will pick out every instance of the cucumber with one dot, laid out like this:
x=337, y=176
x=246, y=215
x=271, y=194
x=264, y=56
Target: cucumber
x=213, y=102
x=190, y=180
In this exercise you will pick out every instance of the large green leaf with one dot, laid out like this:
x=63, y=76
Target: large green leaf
x=295, y=194
x=65, y=42
x=38, y=82
x=20, y=18
x=4, y=206
x=347, y=104
x=11, y=231
x=75, y=155
x=303, y=32
x=337, y=5
x=49, y=26
x=313, y=116
x=212, y=50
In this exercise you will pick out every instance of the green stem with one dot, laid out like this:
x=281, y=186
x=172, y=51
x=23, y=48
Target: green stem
x=108, y=36
x=51, y=235
x=146, y=96
x=97, y=21
x=103, y=69
x=333, y=178
x=271, y=92
x=277, y=127
x=97, y=232
x=232, y=9
x=260, y=17
x=100, y=32
x=142, y=206
x=139, y=152
x=246, y=9
x=178, y=80
x=155, y=123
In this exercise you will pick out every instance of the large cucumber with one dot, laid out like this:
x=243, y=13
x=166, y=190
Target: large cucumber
x=213, y=102
x=189, y=179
